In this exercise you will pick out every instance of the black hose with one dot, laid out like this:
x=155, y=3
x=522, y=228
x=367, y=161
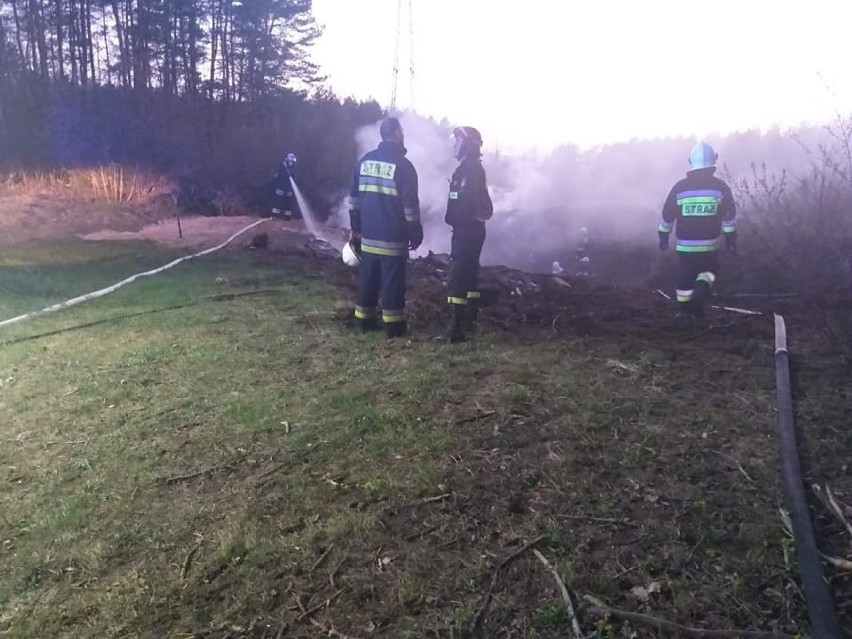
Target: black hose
x=820, y=605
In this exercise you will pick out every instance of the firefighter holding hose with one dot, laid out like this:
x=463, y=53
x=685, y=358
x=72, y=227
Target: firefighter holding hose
x=283, y=198
x=701, y=210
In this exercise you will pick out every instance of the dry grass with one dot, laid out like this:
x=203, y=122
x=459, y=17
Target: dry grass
x=108, y=183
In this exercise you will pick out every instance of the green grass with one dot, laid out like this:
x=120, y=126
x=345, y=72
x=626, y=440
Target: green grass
x=307, y=439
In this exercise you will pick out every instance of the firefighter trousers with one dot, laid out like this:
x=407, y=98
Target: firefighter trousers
x=382, y=277
x=466, y=248
x=696, y=273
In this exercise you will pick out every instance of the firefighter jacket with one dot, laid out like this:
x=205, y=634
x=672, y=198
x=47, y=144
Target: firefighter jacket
x=384, y=209
x=282, y=178
x=469, y=202
x=701, y=208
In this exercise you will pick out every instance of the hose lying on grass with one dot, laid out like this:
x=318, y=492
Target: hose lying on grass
x=111, y=289
x=820, y=605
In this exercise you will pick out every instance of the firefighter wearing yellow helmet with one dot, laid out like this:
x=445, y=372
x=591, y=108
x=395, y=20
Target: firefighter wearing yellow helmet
x=701, y=210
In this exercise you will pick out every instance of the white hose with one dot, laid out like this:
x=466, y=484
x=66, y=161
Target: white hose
x=118, y=285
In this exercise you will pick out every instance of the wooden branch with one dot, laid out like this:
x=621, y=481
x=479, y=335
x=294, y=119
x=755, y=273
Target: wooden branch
x=602, y=610
x=843, y=564
x=566, y=597
x=476, y=624
x=323, y=604
x=838, y=511
x=322, y=558
x=601, y=520
x=199, y=473
x=184, y=571
x=476, y=417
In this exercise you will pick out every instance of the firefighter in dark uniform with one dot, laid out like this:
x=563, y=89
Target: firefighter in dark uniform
x=468, y=208
x=283, y=198
x=384, y=215
x=701, y=209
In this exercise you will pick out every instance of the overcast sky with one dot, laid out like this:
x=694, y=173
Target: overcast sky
x=537, y=73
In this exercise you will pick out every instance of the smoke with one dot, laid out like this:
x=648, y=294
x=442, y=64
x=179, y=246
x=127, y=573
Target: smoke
x=542, y=201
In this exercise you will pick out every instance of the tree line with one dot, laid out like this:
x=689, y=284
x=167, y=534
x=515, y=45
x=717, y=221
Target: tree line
x=212, y=92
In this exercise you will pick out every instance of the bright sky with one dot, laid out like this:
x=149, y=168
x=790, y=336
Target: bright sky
x=538, y=73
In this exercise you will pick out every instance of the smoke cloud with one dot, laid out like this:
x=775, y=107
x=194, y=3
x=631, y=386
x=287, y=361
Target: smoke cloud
x=542, y=201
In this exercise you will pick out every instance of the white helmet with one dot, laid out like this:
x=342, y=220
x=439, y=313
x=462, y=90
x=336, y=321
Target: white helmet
x=702, y=156
x=350, y=255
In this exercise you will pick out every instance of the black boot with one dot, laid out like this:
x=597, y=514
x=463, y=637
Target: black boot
x=700, y=299
x=395, y=329
x=455, y=329
x=368, y=324
x=471, y=315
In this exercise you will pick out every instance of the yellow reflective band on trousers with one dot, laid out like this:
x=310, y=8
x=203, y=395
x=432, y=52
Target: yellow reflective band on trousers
x=473, y=295
x=457, y=300
x=387, y=251
x=391, y=316
x=362, y=312
x=685, y=296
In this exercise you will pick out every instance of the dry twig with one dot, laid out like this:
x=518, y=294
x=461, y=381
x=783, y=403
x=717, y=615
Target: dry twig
x=322, y=558
x=602, y=610
x=184, y=571
x=566, y=596
x=838, y=511
x=476, y=624
x=199, y=473
x=601, y=520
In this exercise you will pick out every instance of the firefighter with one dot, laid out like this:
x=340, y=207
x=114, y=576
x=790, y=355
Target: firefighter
x=284, y=199
x=468, y=208
x=701, y=209
x=384, y=216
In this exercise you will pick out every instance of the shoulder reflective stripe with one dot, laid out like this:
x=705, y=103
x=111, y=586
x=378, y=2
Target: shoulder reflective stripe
x=411, y=214
x=377, y=168
x=716, y=193
x=373, y=188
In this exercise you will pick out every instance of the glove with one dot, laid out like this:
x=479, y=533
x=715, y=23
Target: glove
x=664, y=241
x=731, y=242
x=415, y=235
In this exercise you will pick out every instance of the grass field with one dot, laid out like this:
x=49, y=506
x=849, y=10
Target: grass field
x=214, y=453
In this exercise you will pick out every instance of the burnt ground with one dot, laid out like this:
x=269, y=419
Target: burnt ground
x=690, y=516
x=656, y=493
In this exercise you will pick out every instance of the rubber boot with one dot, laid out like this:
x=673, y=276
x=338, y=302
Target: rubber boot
x=683, y=319
x=368, y=324
x=471, y=315
x=395, y=329
x=700, y=298
x=454, y=332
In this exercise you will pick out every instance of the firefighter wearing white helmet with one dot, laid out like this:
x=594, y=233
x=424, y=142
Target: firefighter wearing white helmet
x=468, y=208
x=701, y=210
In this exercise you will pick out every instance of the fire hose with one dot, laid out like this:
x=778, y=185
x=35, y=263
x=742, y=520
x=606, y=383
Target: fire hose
x=817, y=596
x=111, y=289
